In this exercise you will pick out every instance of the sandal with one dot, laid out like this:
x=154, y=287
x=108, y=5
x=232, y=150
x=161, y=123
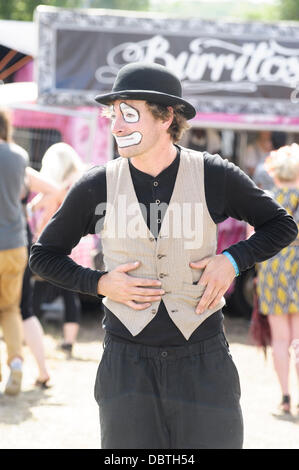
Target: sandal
x=285, y=405
x=284, y=408
x=67, y=348
x=43, y=384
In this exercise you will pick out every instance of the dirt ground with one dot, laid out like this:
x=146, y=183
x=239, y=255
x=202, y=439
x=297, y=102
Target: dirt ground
x=66, y=416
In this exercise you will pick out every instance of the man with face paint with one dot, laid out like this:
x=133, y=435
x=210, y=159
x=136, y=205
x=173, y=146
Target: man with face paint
x=166, y=379
x=130, y=115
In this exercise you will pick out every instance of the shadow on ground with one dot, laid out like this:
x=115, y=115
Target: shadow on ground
x=14, y=410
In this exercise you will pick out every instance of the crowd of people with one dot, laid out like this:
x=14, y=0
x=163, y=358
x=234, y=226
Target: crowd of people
x=22, y=220
x=273, y=247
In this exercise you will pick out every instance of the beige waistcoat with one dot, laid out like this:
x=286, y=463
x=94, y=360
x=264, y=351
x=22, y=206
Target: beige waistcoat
x=187, y=234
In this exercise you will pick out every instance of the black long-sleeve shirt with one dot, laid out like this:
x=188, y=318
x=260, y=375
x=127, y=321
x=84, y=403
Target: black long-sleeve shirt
x=229, y=193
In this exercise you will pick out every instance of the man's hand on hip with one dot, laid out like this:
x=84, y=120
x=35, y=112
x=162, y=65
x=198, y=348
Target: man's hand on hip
x=218, y=274
x=136, y=293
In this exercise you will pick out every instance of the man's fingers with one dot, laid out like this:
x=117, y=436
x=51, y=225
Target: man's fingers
x=141, y=298
x=135, y=281
x=140, y=291
x=208, y=297
x=123, y=268
x=200, y=264
x=216, y=299
x=202, y=281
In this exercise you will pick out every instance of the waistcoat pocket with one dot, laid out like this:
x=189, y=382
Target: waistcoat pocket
x=194, y=290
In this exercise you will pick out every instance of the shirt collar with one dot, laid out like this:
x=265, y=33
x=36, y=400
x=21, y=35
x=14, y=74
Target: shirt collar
x=165, y=174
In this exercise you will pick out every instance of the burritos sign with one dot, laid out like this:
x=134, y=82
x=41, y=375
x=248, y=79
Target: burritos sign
x=224, y=67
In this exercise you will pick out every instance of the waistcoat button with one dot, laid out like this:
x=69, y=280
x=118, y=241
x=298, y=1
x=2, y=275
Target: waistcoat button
x=153, y=311
x=156, y=183
x=164, y=353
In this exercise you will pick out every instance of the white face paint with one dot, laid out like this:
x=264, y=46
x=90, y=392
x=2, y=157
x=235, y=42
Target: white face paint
x=128, y=140
x=130, y=115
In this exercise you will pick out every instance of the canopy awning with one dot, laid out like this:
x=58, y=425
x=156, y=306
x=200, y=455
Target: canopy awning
x=16, y=93
x=18, y=45
x=20, y=36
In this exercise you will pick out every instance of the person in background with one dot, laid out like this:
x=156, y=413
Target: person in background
x=32, y=328
x=258, y=151
x=204, y=140
x=13, y=250
x=278, y=277
x=62, y=166
x=261, y=176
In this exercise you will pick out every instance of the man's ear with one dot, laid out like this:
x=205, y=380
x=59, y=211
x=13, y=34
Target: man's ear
x=169, y=120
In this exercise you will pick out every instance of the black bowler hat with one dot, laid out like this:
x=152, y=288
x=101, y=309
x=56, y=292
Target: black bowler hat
x=150, y=82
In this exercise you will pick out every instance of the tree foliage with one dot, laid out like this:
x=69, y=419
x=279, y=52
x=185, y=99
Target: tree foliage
x=23, y=9
x=256, y=12
x=279, y=10
x=121, y=4
x=289, y=10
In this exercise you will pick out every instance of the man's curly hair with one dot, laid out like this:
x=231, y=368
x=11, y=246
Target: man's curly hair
x=179, y=123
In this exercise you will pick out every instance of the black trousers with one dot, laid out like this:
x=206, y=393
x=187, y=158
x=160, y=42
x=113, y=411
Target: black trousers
x=173, y=398
x=46, y=292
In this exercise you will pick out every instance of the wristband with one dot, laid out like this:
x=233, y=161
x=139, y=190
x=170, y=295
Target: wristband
x=229, y=256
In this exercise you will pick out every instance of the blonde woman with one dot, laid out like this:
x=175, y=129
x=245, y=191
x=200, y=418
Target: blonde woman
x=62, y=166
x=278, y=277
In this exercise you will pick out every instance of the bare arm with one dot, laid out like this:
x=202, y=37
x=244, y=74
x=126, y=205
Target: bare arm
x=38, y=183
x=48, y=198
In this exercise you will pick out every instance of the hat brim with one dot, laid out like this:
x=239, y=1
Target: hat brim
x=152, y=96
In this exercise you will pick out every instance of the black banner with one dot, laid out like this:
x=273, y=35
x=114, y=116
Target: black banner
x=224, y=67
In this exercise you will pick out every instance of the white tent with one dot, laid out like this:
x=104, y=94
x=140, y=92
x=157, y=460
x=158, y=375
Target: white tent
x=20, y=36
x=19, y=92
